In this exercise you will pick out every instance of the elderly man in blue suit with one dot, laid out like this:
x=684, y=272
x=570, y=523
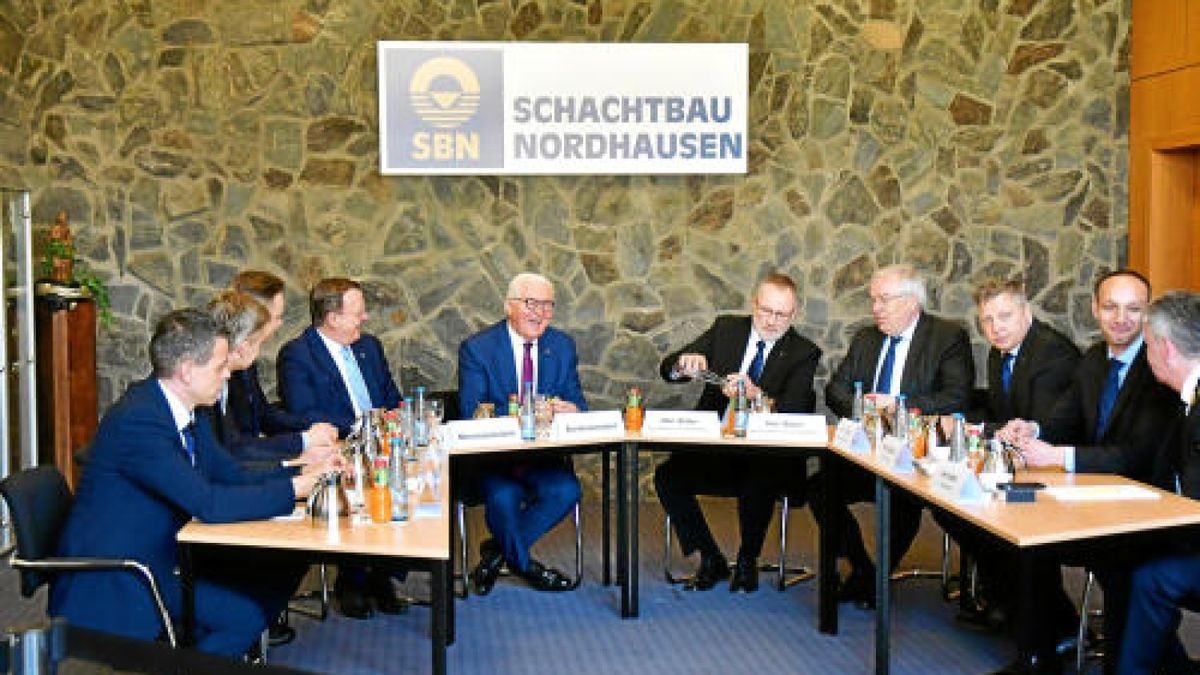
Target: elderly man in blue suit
x=522, y=499
x=333, y=372
x=152, y=468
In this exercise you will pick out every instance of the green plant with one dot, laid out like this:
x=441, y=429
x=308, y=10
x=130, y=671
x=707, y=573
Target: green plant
x=55, y=250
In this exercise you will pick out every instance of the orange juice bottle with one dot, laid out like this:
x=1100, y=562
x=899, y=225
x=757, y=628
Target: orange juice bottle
x=379, y=497
x=633, y=410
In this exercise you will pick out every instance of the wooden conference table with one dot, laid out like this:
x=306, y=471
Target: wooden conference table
x=1047, y=528
x=421, y=543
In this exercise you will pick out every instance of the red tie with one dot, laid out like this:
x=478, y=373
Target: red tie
x=527, y=366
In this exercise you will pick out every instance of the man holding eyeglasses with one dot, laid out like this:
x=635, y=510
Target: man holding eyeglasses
x=765, y=353
x=334, y=372
x=906, y=351
x=524, y=498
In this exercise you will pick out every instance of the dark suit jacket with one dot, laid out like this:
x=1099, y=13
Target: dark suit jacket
x=1040, y=376
x=252, y=451
x=138, y=489
x=253, y=413
x=787, y=376
x=486, y=371
x=1186, y=462
x=939, y=372
x=1142, y=422
x=311, y=385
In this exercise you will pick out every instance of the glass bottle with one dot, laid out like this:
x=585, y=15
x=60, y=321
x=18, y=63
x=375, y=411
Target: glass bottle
x=528, y=416
x=741, y=410
x=856, y=408
x=398, y=484
x=958, y=439
x=900, y=422
x=420, y=425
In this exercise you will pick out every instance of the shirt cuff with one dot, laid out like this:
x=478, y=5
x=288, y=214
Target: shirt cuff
x=1069, y=458
x=303, y=440
x=1037, y=430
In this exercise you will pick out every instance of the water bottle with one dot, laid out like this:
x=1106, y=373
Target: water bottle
x=741, y=411
x=900, y=421
x=398, y=484
x=528, y=417
x=958, y=439
x=406, y=428
x=420, y=424
x=856, y=408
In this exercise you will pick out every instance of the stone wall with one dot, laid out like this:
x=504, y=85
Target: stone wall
x=188, y=139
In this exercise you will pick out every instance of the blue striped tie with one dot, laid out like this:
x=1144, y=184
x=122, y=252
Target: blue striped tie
x=358, y=386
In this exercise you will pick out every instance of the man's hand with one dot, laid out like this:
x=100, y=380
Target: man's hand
x=303, y=484
x=321, y=433
x=690, y=364
x=730, y=386
x=1039, y=454
x=563, y=406
x=1017, y=430
x=885, y=404
x=314, y=454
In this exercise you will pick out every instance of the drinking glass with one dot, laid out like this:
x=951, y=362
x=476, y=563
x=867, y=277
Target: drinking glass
x=543, y=415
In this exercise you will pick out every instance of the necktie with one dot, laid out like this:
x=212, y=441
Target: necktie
x=884, y=384
x=189, y=441
x=527, y=367
x=756, y=364
x=1108, y=396
x=1006, y=368
x=358, y=386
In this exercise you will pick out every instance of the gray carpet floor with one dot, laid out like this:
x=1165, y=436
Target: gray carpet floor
x=518, y=631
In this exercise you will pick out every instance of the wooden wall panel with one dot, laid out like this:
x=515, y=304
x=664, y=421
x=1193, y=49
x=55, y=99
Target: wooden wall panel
x=1193, y=31
x=1160, y=40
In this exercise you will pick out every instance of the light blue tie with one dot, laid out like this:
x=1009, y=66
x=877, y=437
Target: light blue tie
x=358, y=386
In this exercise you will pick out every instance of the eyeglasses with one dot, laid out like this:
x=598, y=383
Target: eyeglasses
x=535, y=305
x=773, y=314
x=886, y=299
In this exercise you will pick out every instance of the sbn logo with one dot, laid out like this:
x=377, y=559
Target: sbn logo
x=444, y=92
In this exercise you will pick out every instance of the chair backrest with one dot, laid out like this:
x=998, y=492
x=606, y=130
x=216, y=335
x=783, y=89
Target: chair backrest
x=39, y=504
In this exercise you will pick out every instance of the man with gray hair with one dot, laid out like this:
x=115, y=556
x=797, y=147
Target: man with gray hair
x=1160, y=587
x=523, y=498
x=905, y=351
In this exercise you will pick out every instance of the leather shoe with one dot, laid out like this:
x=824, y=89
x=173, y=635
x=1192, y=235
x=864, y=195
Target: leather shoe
x=544, y=578
x=379, y=586
x=351, y=602
x=712, y=569
x=484, y=576
x=745, y=576
x=279, y=633
x=859, y=589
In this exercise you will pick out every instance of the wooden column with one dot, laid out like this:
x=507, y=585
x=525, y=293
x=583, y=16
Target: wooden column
x=66, y=364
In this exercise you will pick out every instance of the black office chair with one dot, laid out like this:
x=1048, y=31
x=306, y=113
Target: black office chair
x=39, y=504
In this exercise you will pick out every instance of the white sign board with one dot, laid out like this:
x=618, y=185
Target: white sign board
x=483, y=433
x=588, y=425
x=850, y=435
x=957, y=482
x=681, y=424
x=489, y=108
x=895, y=454
x=788, y=427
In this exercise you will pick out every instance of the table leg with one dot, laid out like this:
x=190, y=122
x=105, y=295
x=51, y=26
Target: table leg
x=827, y=574
x=187, y=583
x=631, y=493
x=606, y=514
x=622, y=528
x=440, y=614
x=1026, y=609
x=883, y=576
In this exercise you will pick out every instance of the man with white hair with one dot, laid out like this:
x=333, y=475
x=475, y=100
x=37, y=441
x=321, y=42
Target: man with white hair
x=905, y=351
x=1160, y=587
x=522, y=498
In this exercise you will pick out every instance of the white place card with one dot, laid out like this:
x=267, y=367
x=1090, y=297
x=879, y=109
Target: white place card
x=957, y=482
x=895, y=454
x=484, y=433
x=788, y=427
x=681, y=424
x=852, y=436
x=588, y=425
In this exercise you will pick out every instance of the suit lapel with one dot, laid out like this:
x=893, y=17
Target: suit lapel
x=547, y=365
x=912, y=365
x=324, y=360
x=504, y=350
x=732, y=348
x=1133, y=385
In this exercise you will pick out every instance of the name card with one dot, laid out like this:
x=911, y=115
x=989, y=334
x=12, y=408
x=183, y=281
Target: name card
x=957, y=482
x=585, y=425
x=484, y=433
x=895, y=454
x=681, y=424
x=852, y=436
x=788, y=427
